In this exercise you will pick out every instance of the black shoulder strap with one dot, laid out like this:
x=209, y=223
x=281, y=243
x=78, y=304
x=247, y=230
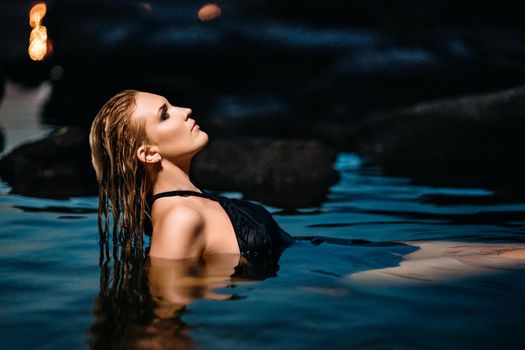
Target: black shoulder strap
x=204, y=194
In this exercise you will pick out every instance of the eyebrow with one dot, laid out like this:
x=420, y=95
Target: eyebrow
x=162, y=108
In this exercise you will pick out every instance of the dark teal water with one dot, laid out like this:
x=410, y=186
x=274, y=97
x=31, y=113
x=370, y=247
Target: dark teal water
x=54, y=295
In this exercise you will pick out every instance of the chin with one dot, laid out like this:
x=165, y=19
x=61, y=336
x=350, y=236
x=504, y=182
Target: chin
x=204, y=140
x=205, y=137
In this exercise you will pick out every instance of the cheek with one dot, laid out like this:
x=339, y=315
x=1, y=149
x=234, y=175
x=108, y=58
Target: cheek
x=172, y=136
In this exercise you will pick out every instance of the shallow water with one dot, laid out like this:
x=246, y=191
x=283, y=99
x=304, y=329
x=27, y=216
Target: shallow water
x=458, y=295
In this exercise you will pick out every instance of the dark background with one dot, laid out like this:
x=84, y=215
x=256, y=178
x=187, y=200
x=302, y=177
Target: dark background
x=426, y=89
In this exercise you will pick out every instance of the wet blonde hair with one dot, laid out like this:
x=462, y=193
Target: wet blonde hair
x=123, y=182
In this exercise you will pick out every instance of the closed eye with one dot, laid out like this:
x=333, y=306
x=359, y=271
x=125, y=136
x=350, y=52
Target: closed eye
x=164, y=114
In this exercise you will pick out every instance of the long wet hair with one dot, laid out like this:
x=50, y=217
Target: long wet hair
x=123, y=182
x=124, y=311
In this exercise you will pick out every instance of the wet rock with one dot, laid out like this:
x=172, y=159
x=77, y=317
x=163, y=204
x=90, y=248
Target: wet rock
x=283, y=173
x=433, y=63
x=394, y=62
x=364, y=81
x=2, y=83
x=274, y=35
x=256, y=116
x=286, y=173
x=475, y=140
x=2, y=87
x=2, y=139
x=27, y=73
x=381, y=13
x=57, y=166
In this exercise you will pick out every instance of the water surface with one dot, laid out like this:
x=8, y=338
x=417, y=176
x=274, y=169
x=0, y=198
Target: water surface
x=457, y=293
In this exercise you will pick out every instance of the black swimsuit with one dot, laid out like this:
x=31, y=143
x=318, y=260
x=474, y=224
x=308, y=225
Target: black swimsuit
x=258, y=234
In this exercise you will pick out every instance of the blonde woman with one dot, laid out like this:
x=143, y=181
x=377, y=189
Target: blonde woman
x=142, y=147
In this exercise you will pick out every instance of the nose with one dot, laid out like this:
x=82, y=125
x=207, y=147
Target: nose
x=188, y=114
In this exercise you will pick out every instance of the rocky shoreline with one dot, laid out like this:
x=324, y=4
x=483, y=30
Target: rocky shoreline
x=473, y=140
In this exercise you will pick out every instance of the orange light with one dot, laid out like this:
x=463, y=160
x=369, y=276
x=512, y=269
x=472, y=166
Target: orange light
x=38, y=43
x=36, y=14
x=209, y=12
x=38, y=38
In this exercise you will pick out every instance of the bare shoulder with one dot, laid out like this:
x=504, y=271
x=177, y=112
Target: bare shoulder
x=178, y=233
x=182, y=215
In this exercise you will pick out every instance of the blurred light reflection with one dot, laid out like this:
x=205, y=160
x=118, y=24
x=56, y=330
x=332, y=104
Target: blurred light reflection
x=209, y=12
x=38, y=38
x=145, y=6
x=36, y=14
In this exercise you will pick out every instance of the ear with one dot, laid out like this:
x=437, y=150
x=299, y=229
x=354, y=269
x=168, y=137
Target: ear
x=148, y=154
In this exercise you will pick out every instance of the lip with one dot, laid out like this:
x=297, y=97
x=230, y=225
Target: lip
x=195, y=126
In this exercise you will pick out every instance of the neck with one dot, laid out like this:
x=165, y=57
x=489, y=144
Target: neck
x=172, y=177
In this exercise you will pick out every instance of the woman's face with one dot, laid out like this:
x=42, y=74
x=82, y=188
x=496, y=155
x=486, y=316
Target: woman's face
x=169, y=129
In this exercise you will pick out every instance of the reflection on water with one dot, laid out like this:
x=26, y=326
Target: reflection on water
x=437, y=261
x=141, y=301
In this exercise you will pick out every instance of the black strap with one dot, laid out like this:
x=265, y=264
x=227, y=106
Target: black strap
x=204, y=194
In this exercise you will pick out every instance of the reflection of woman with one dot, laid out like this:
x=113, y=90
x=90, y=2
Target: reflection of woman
x=142, y=147
x=179, y=282
x=142, y=301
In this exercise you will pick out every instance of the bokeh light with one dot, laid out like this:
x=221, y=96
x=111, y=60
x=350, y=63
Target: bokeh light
x=38, y=44
x=209, y=12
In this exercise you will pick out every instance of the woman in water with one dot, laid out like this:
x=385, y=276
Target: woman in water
x=142, y=148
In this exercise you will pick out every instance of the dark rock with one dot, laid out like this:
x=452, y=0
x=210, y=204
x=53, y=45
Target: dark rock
x=26, y=72
x=393, y=62
x=313, y=66
x=383, y=13
x=273, y=34
x=474, y=140
x=333, y=61
x=57, y=166
x=2, y=139
x=283, y=173
x=256, y=116
x=2, y=83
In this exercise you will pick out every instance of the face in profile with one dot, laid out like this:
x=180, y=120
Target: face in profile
x=170, y=130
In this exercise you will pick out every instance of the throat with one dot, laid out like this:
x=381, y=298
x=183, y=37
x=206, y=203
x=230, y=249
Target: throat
x=172, y=178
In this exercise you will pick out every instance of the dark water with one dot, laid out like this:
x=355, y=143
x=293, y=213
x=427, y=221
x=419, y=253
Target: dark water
x=459, y=295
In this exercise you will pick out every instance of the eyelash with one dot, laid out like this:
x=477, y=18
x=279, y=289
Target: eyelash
x=164, y=115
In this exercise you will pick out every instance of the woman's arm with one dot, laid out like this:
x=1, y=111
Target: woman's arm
x=178, y=235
